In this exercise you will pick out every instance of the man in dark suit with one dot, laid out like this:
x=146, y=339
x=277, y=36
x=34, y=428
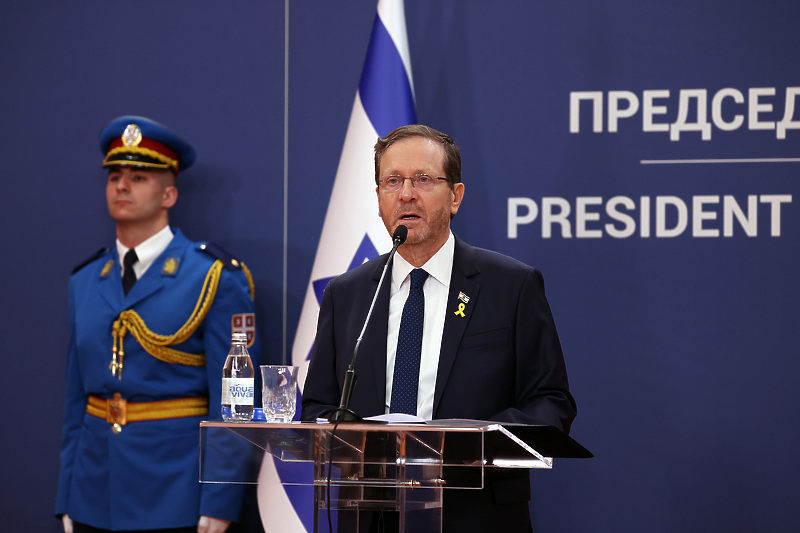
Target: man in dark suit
x=488, y=350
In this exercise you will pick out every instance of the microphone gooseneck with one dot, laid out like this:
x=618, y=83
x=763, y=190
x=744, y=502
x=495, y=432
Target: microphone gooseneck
x=343, y=413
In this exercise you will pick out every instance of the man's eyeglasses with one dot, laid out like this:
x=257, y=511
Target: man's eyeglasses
x=422, y=182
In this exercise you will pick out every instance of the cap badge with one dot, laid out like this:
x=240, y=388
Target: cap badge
x=132, y=135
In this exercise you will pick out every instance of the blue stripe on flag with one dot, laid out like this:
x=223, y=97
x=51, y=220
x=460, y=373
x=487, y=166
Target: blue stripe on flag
x=366, y=251
x=385, y=89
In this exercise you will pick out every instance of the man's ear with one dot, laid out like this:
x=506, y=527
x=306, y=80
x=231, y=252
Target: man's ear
x=458, y=196
x=170, y=196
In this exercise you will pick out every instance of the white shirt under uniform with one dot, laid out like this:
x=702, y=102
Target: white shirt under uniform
x=147, y=252
x=436, y=288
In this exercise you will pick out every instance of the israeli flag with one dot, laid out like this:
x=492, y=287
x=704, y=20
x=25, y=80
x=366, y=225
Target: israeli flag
x=353, y=233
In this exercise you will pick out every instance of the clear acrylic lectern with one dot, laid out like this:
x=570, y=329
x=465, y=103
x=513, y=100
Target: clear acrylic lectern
x=376, y=471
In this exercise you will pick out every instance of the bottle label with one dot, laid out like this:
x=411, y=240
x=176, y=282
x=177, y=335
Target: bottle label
x=237, y=391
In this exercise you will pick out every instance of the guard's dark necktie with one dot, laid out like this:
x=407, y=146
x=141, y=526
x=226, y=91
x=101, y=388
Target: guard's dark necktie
x=128, y=275
x=405, y=383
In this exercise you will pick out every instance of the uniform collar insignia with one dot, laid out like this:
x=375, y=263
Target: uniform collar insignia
x=170, y=267
x=107, y=269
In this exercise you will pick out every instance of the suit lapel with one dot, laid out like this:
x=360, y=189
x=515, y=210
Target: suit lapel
x=461, y=300
x=153, y=279
x=149, y=283
x=373, y=346
x=111, y=287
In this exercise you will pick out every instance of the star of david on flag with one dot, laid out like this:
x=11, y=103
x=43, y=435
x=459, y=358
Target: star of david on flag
x=352, y=232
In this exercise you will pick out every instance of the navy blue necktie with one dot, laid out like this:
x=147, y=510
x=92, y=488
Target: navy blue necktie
x=128, y=275
x=405, y=383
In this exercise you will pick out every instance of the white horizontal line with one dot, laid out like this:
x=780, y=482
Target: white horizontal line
x=706, y=161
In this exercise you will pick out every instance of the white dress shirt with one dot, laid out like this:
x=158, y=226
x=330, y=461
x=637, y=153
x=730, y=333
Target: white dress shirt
x=436, y=288
x=147, y=252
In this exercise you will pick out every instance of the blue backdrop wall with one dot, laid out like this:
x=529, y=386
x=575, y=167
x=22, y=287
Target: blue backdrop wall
x=644, y=156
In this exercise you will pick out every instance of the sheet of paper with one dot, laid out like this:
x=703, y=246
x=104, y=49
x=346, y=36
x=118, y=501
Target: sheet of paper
x=391, y=418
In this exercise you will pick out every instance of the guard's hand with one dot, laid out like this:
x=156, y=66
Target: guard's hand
x=209, y=524
x=67, y=521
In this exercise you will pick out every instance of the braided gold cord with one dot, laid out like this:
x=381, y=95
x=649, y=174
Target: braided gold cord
x=157, y=345
x=143, y=151
x=250, y=281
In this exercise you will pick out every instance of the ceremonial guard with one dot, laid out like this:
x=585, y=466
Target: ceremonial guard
x=150, y=327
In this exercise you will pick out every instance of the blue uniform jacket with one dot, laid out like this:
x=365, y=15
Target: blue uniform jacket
x=146, y=476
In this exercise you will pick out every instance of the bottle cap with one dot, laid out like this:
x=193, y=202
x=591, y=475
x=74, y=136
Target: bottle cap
x=239, y=338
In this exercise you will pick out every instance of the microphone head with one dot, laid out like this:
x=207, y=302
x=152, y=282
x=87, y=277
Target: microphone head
x=400, y=234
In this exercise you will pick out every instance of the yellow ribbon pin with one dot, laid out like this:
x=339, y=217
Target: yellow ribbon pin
x=461, y=310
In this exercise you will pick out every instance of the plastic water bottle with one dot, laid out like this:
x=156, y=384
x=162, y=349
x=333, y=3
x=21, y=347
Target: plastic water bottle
x=238, y=382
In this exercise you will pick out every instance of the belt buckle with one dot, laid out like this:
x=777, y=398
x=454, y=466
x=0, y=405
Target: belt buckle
x=117, y=412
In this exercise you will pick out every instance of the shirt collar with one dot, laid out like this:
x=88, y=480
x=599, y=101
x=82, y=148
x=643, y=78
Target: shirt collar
x=439, y=267
x=147, y=251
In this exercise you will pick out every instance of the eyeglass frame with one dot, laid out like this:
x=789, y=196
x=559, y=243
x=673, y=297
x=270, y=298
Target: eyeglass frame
x=414, y=181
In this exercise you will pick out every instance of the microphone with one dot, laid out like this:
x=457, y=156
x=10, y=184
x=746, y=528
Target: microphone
x=343, y=413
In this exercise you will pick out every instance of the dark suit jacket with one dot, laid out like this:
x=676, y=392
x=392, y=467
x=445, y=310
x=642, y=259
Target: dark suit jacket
x=501, y=361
